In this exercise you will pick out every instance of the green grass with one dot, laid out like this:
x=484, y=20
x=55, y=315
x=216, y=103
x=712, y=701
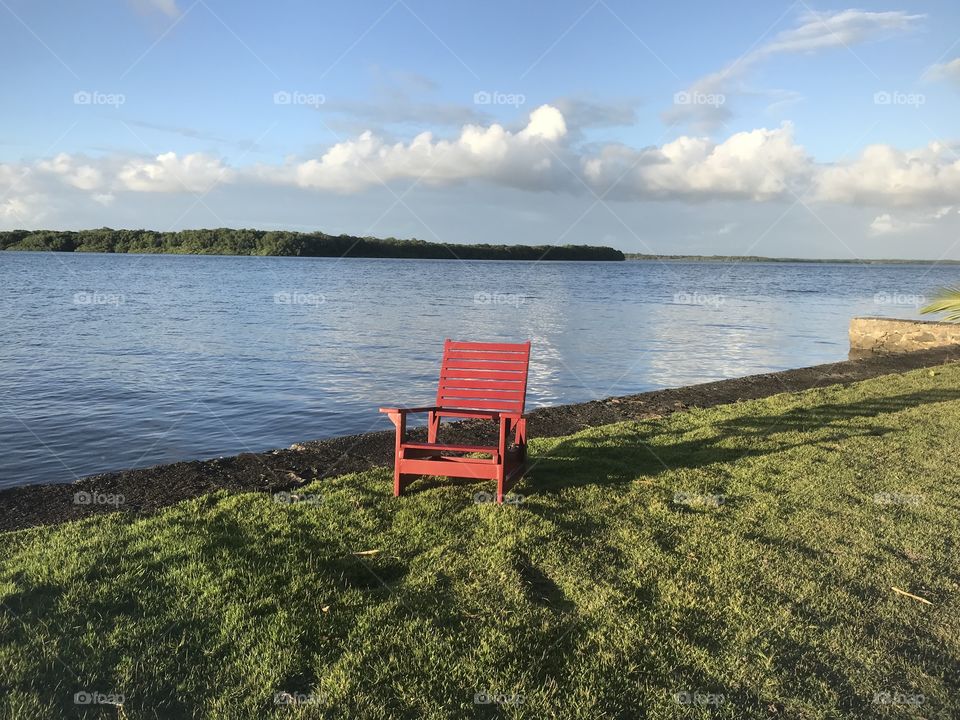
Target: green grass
x=745, y=552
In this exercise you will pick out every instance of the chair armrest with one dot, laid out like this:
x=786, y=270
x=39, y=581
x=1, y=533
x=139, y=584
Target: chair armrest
x=404, y=411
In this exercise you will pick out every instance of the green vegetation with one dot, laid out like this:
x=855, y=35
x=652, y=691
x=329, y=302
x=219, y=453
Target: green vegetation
x=740, y=558
x=225, y=241
x=947, y=300
x=761, y=259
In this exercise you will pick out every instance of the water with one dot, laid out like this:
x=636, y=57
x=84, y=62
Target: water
x=117, y=361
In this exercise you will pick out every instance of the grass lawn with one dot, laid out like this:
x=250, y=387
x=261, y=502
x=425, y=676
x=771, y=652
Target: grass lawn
x=736, y=562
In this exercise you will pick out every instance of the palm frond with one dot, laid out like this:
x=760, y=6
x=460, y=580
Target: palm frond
x=947, y=300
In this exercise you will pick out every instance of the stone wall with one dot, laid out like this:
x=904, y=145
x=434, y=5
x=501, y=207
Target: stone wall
x=883, y=335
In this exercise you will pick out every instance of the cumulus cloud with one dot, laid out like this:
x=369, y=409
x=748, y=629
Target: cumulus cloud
x=706, y=102
x=522, y=159
x=884, y=175
x=757, y=165
x=544, y=155
x=196, y=172
x=74, y=171
x=23, y=210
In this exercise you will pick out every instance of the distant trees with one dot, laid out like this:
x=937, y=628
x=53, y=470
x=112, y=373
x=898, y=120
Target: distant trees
x=227, y=241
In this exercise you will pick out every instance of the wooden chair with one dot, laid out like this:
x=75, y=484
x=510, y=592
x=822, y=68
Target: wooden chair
x=477, y=380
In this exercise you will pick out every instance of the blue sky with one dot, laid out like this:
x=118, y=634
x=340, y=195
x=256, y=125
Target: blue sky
x=769, y=128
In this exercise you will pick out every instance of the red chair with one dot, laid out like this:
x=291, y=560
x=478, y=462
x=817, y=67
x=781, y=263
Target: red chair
x=477, y=380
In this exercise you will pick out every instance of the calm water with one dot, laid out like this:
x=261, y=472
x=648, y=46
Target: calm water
x=117, y=361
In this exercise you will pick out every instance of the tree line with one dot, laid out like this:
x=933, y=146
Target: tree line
x=227, y=241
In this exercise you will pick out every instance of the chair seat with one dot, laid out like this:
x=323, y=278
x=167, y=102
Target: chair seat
x=440, y=447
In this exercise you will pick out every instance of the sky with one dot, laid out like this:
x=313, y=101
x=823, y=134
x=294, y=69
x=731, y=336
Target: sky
x=745, y=128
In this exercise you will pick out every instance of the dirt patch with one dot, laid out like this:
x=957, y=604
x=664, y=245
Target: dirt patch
x=148, y=489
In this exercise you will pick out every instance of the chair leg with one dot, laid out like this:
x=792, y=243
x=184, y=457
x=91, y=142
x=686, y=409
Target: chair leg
x=520, y=438
x=397, y=481
x=502, y=458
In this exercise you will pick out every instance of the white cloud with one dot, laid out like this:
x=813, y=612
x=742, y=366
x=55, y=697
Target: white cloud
x=196, y=172
x=73, y=170
x=757, y=165
x=22, y=211
x=522, y=159
x=884, y=175
x=887, y=224
x=816, y=32
x=943, y=71
x=823, y=30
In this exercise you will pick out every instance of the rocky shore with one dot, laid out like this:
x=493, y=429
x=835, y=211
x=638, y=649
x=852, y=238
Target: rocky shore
x=148, y=489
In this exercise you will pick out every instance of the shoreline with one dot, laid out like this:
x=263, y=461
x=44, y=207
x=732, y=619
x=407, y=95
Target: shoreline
x=145, y=490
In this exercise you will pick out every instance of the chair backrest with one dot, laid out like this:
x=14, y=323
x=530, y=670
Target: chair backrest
x=484, y=376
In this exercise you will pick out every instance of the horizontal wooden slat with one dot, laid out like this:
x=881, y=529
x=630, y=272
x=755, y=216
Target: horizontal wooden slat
x=469, y=374
x=481, y=384
x=485, y=414
x=450, y=393
x=460, y=411
x=506, y=405
x=495, y=356
x=417, y=454
x=440, y=447
x=495, y=347
x=485, y=365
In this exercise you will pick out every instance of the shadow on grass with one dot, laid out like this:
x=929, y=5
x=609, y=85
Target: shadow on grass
x=628, y=456
x=176, y=622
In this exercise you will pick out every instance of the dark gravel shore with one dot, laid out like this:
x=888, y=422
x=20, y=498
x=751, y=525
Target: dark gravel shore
x=148, y=489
